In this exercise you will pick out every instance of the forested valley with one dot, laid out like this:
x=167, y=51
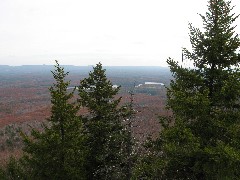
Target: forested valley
x=100, y=122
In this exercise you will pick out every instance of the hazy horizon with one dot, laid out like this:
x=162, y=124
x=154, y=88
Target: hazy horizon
x=81, y=33
x=90, y=65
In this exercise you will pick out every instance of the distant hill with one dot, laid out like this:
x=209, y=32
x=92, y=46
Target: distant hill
x=112, y=71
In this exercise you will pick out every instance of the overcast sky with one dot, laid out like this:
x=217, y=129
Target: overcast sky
x=84, y=32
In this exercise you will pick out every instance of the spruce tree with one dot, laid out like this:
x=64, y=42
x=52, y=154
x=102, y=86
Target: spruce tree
x=58, y=151
x=202, y=138
x=106, y=135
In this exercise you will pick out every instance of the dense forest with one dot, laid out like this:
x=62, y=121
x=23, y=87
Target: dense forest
x=89, y=133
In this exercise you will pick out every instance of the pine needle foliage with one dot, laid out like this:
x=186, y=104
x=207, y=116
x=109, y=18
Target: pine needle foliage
x=202, y=138
x=58, y=151
x=106, y=135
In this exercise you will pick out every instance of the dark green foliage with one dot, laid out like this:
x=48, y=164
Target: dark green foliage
x=13, y=170
x=94, y=145
x=106, y=137
x=202, y=139
x=2, y=174
x=58, y=151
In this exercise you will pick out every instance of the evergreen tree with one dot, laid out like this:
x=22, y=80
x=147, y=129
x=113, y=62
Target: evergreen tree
x=106, y=136
x=202, y=138
x=58, y=151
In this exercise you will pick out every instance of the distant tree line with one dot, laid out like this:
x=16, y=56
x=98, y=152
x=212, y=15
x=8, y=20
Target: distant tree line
x=200, y=140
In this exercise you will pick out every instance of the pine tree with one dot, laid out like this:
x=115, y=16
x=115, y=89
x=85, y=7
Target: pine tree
x=103, y=126
x=58, y=151
x=202, y=138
